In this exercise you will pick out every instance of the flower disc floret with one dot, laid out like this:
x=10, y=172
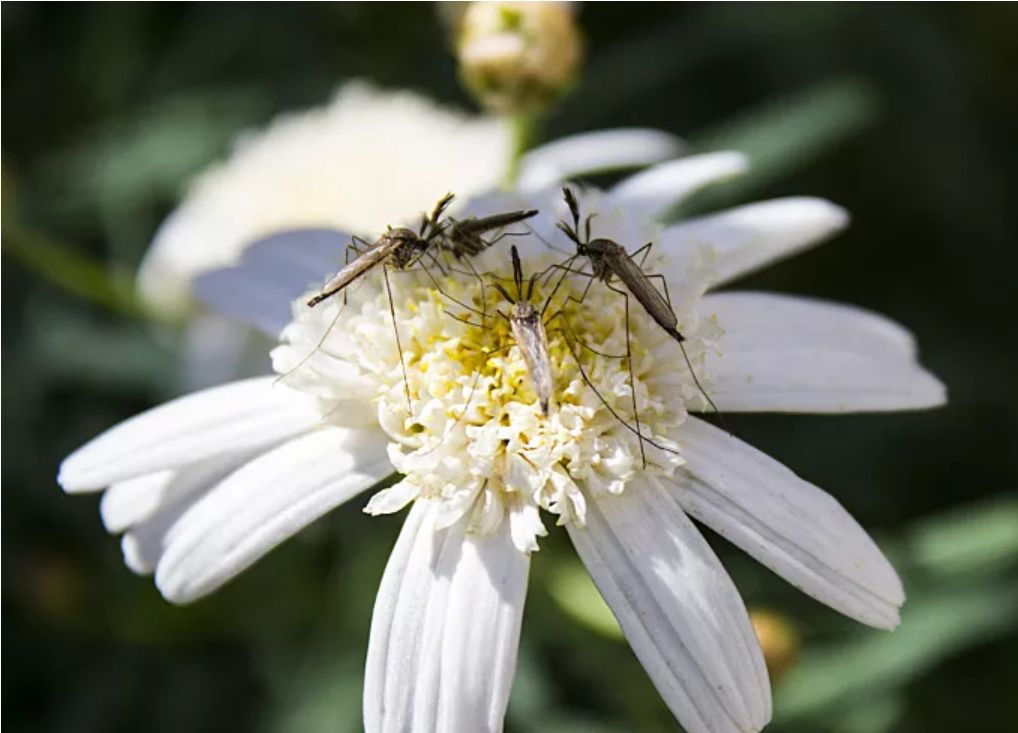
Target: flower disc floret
x=465, y=423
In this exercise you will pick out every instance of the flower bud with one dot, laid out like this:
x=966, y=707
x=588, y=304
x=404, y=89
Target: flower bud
x=778, y=639
x=518, y=57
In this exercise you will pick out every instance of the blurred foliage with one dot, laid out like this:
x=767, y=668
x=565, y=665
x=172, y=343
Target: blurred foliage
x=902, y=113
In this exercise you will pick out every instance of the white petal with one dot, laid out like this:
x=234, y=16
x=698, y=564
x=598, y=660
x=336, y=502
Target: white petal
x=677, y=607
x=783, y=354
x=215, y=351
x=234, y=417
x=263, y=503
x=271, y=274
x=753, y=320
x=749, y=237
x=445, y=629
x=658, y=189
x=144, y=543
x=392, y=499
x=818, y=380
x=789, y=525
x=137, y=500
x=591, y=152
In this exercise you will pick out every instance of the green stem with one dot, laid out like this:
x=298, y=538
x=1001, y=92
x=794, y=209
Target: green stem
x=523, y=129
x=75, y=273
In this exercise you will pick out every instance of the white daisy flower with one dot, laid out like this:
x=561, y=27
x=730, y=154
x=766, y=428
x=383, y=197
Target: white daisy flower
x=204, y=486
x=367, y=158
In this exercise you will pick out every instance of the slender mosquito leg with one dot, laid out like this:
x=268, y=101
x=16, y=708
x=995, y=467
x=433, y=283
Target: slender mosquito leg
x=465, y=319
x=321, y=342
x=500, y=237
x=560, y=314
x=457, y=271
x=438, y=287
x=565, y=272
x=645, y=251
x=436, y=263
x=583, y=295
x=484, y=289
x=351, y=249
x=418, y=264
x=550, y=270
x=354, y=249
x=399, y=347
x=569, y=334
x=543, y=241
x=685, y=357
x=632, y=377
x=664, y=286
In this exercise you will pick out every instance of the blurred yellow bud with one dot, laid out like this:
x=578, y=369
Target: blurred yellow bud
x=778, y=639
x=518, y=57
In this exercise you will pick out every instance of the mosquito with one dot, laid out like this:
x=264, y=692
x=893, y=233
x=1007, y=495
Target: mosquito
x=401, y=248
x=466, y=237
x=528, y=326
x=609, y=260
x=398, y=248
x=528, y=331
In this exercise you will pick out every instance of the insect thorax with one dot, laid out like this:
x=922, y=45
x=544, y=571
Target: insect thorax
x=601, y=253
x=523, y=310
x=464, y=241
x=409, y=246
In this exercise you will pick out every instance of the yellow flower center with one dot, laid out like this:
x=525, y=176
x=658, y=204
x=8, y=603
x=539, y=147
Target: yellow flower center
x=462, y=409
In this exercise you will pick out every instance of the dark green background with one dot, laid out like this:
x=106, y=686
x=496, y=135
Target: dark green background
x=905, y=114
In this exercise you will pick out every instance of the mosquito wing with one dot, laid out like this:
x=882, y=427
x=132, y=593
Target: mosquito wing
x=642, y=288
x=496, y=221
x=528, y=330
x=466, y=236
x=378, y=252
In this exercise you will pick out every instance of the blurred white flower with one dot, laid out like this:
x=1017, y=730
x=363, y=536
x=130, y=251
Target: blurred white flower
x=367, y=159
x=204, y=486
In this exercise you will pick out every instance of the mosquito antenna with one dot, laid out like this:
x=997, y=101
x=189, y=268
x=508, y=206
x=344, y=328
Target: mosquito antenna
x=503, y=291
x=540, y=238
x=574, y=207
x=517, y=271
x=436, y=214
x=530, y=285
x=569, y=232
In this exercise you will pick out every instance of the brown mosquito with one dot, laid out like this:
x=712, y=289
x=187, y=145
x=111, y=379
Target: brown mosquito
x=466, y=237
x=398, y=248
x=401, y=249
x=528, y=331
x=609, y=261
x=529, y=328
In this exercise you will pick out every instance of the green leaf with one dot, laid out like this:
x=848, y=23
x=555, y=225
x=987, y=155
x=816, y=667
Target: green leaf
x=576, y=594
x=154, y=149
x=783, y=136
x=970, y=541
x=932, y=628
